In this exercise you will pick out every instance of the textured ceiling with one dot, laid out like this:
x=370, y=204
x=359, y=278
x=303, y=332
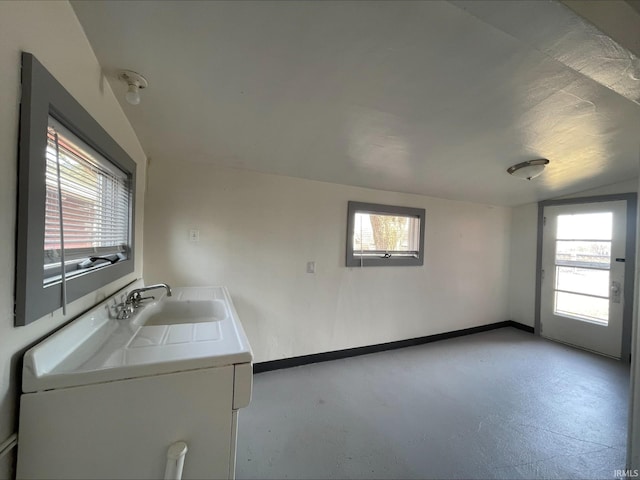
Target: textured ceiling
x=435, y=98
x=634, y=4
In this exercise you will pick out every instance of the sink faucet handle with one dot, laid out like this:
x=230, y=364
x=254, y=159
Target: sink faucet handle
x=133, y=298
x=124, y=310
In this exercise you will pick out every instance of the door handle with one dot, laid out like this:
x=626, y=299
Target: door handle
x=615, y=292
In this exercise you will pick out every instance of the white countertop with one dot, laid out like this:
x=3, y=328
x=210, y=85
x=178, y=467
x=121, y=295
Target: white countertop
x=96, y=347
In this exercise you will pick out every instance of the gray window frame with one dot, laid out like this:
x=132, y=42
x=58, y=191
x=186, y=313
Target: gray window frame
x=362, y=207
x=43, y=95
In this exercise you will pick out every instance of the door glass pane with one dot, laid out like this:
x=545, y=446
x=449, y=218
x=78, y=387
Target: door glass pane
x=585, y=226
x=583, y=308
x=583, y=254
x=583, y=280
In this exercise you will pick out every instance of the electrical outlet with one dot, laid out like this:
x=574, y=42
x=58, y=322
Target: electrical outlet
x=194, y=236
x=311, y=267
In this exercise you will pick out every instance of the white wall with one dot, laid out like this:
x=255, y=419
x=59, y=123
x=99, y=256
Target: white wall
x=623, y=187
x=522, y=263
x=522, y=257
x=633, y=434
x=257, y=232
x=51, y=31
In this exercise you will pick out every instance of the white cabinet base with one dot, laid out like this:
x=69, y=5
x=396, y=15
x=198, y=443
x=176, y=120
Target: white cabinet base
x=122, y=429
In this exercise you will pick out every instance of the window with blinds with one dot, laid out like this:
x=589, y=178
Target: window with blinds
x=87, y=207
x=377, y=235
x=384, y=235
x=75, y=204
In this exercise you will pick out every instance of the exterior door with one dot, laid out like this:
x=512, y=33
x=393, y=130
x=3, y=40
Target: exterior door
x=583, y=255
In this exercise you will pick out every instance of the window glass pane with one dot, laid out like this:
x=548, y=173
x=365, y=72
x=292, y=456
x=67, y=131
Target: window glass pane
x=95, y=197
x=583, y=280
x=585, y=226
x=586, y=254
x=582, y=307
x=385, y=233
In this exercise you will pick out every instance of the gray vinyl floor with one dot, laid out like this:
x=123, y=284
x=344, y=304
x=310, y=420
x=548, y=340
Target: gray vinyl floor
x=499, y=404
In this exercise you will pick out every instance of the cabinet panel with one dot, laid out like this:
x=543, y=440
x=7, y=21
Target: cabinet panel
x=122, y=429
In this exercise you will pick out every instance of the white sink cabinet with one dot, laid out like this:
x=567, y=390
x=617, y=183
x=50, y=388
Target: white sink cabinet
x=106, y=398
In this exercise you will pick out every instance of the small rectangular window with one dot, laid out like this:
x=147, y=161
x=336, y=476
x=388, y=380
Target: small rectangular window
x=384, y=235
x=93, y=196
x=76, y=200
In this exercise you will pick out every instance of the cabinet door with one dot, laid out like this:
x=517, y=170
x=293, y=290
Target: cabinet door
x=123, y=429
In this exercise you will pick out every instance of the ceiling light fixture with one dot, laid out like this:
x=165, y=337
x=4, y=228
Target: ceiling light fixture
x=135, y=83
x=529, y=169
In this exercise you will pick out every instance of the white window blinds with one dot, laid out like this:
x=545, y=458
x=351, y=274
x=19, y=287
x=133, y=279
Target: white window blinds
x=386, y=235
x=93, y=196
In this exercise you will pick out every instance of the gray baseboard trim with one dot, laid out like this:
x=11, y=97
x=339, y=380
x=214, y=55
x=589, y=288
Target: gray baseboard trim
x=380, y=347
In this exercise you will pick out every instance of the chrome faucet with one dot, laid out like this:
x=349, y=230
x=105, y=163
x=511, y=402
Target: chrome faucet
x=135, y=296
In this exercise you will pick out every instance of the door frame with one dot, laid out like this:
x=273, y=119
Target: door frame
x=630, y=260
